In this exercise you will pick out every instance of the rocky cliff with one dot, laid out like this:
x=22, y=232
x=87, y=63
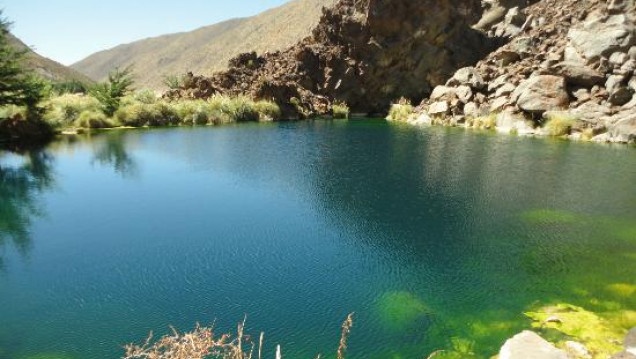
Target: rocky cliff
x=514, y=65
x=568, y=70
x=366, y=53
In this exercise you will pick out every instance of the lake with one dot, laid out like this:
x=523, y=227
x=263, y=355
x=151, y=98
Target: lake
x=436, y=238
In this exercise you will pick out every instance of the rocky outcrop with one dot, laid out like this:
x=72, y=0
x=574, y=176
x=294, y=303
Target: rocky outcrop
x=574, y=56
x=366, y=53
x=529, y=345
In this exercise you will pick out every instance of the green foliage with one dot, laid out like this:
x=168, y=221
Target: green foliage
x=69, y=87
x=145, y=96
x=267, y=110
x=110, y=93
x=141, y=114
x=17, y=86
x=63, y=111
x=401, y=111
x=598, y=334
x=94, y=119
x=340, y=110
x=483, y=122
x=560, y=124
x=173, y=82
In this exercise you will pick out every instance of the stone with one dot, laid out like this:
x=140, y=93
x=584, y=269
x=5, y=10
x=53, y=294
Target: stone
x=590, y=111
x=570, y=54
x=616, y=6
x=507, y=57
x=471, y=110
x=439, y=108
x=499, y=104
x=602, y=36
x=529, y=345
x=509, y=122
x=470, y=77
x=624, y=354
x=422, y=119
x=621, y=96
x=632, y=53
x=577, y=349
x=515, y=17
x=614, y=82
x=464, y=93
x=441, y=91
x=624, y=130
x=630, y=339
x=628, y=67
x=579, y=75
x=632, y=83
x=582, y=95
x=498, y=82
x=541, y=93
x=617, y=59
x=522, y=44
x=505, y=90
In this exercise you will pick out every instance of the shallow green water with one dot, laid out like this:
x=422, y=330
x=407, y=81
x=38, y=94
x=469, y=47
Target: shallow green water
x=435, y=238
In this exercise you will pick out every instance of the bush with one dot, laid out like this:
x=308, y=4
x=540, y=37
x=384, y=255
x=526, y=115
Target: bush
x=559, y=124
x=267, y=111
x=11, y=111
x=65, y=110
x=483, y=122
x=110, y=94
x=340, y=110
x=140, y=114
x=145, y=96
x=401, y=111
x=94, y=119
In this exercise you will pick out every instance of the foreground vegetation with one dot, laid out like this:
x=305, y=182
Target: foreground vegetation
x=202, y=343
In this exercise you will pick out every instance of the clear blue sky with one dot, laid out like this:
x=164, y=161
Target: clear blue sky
x=69, y=30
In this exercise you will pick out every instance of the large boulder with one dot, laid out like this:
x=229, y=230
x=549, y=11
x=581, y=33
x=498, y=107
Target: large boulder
x=541, y=93
x=529, y=345
x=579, y=75
x=603, y=35
x=624, y=130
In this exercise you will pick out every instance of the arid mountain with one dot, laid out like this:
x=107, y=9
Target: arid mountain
x=47, y=68
x=208, y=49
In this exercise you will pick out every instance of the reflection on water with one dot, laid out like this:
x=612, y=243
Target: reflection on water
x=20, y=183
x=436, y=238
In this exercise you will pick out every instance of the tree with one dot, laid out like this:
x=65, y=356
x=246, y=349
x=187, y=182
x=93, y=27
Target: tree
x=17, y=85
x=110, y=93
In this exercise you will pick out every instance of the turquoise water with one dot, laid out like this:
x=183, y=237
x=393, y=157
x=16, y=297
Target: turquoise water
x=436, y=238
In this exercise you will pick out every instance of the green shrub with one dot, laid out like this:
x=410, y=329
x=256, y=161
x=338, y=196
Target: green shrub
x=267, y=110
x=193, y=112
x=401, y=111
x=94, y=119
x=559, y=124
x=483, y=122
x=110, y=93
x=340, y=110
x=141, y=114
x=11, y=111
x=145, y=96
x=64, y=110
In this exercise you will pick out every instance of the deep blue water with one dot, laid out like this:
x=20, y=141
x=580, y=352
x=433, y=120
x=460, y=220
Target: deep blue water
x=436, y=238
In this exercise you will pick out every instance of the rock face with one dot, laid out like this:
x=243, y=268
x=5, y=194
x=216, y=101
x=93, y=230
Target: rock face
x=366, y=53
x=541, y=93
x=576, y=56
x=529, y=345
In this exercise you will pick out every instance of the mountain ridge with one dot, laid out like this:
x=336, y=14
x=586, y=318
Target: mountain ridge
x=207, y=49
x=46, y=67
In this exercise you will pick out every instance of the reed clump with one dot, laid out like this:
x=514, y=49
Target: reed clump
x=203, y=342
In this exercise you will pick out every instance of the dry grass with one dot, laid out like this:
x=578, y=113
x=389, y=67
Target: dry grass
x=401, y=111
x=483, y=122
x=559, y=124
x=203, y=343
